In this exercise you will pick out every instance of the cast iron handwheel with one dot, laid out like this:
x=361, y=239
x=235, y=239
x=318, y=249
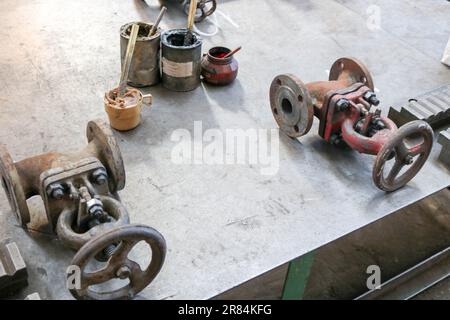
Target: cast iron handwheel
x=109, y=152
x=403, y=155
x=119, y=265
x=11, y=183
x=203, y=8
x=291, y=105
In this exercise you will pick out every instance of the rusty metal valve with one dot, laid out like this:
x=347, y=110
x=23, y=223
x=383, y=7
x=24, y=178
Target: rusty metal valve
x=79, y=192
x=346, y=106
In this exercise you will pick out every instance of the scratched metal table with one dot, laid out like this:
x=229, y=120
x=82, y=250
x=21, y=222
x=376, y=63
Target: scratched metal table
x=224, y=224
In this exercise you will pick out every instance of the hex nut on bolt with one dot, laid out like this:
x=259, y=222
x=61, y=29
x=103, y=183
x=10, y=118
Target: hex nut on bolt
x=100, y=176
x=342, y=104
x=95, y=207
x=371, y=97
x=56, y=191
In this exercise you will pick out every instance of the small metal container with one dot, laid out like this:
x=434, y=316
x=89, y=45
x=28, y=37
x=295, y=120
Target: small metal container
x=125, y=113
x=218, y=70
x=181, y=65
x=144, y=70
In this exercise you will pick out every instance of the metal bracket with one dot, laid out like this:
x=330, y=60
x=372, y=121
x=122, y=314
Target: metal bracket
x=74, y=175
x=432, y=107
x=297, y=277
x=13, y=271
x=413, y=281
x=328, y=110
x=444, y=140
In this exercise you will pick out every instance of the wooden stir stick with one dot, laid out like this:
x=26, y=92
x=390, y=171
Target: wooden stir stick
x=231, y=52
x=191, y=19
x=158, y=20
x=128, y=58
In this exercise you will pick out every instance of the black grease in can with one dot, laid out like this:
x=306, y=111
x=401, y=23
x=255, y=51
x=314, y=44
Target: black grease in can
x=180, y=64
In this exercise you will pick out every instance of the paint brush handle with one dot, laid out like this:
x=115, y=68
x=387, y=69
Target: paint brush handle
x=158, y=20
x=191, y=17
x=231, y=52
x=128, y=58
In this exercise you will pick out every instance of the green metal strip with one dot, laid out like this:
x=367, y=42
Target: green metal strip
x=297, y=277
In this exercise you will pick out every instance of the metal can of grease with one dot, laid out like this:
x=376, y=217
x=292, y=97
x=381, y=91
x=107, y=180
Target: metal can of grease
x=144, y=69
x=181, y=65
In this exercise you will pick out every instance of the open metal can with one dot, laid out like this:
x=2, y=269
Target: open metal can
x=181, y=64
x=144, y=69
x=125, y=113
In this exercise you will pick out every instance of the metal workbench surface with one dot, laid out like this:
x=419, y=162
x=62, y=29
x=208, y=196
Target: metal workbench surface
x=224, y=224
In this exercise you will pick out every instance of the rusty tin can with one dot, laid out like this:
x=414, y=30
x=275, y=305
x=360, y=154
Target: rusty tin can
x=144, y=69
x=218, y=70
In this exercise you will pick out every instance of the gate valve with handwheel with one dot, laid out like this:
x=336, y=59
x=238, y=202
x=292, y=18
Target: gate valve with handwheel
x=347, y=108
x=83, y=208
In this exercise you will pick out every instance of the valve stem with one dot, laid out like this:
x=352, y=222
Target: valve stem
x=109, y=250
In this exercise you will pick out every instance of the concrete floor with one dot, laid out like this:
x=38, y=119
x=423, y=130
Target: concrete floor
x=223, y=224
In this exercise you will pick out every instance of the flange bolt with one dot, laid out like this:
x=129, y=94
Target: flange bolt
x=55, y=191
x=342, y=105
x=380, y=124
x=371, y=98
x=95, y=208
x=100, y=176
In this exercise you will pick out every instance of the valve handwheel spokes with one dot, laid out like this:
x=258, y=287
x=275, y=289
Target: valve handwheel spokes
x=119, y=265
x=404, y=156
